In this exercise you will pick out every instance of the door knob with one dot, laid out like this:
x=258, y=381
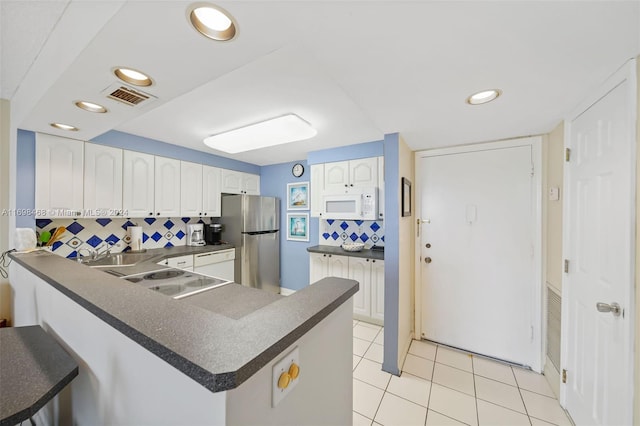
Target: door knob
x=427, y=260
x=614, y=308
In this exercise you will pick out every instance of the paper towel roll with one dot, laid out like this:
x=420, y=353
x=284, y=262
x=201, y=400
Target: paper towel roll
x=24, y=239
x=135, y=233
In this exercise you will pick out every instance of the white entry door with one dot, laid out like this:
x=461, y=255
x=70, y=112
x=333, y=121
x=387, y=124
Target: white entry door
x=479, y=261
x=599, y=234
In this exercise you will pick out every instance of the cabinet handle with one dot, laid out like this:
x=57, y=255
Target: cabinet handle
x=205, y=214
x=329, y=255
x=345, y=185
x=158, y=214
x=367, y=260
x=374, y=261
x=351, y=185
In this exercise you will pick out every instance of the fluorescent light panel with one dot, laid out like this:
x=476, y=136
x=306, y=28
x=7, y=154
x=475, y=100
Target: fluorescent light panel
x=276, y=131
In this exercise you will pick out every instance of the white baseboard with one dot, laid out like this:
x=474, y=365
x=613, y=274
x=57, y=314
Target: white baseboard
x=286, y=291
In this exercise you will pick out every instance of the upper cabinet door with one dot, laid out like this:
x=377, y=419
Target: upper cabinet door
x=59, y=176
x=167, y=188
x=317, y=188
x=138, y=185
x=191, y=189
x=336, y=176
x=102, y=181
x=211, y=189
x=231, y=181
x=251, y=184
x=363, y=172
x=380, y=188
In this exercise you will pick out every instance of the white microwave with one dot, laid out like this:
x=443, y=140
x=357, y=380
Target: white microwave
x=354, y=204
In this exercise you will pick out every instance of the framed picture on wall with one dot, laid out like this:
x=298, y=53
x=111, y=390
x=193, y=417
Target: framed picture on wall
x=298, y=226
x=298, y=196
x=406, y=197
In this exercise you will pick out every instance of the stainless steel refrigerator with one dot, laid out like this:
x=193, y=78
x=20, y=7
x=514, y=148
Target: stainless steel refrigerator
x=252, y=224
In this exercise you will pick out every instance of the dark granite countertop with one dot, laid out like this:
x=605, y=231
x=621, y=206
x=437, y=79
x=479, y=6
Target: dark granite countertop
x=219, y=345
x=333, y=250
x=33, y=369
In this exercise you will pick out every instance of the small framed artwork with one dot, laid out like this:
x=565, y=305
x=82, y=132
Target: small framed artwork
x=406, y=197
x=298, y=226
x=298, y=196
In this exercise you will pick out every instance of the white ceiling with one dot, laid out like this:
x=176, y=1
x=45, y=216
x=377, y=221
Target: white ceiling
x=354, y=69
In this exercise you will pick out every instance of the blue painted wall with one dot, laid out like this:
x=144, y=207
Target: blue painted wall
x=26, y=178
x=391, y=252
x=152, y=146
x=294, y=258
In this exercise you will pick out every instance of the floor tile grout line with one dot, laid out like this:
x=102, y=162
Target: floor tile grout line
x=502, y=406
x=475, y=391
x=449, y=417
x=431, y=388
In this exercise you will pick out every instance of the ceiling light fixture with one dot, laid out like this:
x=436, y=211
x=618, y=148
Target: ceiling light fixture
x=90, y=106
x=274, y=131
x=64, y=127
x=132, y=76
x=483, y=97
x=212, y=21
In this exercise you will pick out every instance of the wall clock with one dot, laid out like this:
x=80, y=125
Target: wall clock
x=297, y=170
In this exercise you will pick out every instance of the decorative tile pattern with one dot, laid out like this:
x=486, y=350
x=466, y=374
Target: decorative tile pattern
x=85, y=233
x=335, y=232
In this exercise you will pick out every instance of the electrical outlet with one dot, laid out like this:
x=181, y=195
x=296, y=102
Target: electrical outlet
x=286, y=375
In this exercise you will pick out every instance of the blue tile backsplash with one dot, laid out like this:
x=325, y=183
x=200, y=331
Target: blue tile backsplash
x=157, y=233
x=333, y=232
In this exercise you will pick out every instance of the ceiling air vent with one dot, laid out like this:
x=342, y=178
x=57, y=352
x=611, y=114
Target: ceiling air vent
x=127, y=95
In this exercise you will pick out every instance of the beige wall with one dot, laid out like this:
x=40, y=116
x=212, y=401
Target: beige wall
x=5, y=289
x=406, y=258
x=553, y=213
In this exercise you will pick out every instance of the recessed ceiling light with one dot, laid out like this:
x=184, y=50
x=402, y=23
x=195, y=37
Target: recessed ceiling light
x=275, y=131
x=484, y=96
x=212, y=21
x=132, y=76
x=64, y=127
x=90, y=106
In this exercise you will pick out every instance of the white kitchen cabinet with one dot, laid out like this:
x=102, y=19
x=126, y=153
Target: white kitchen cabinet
x=211, y=191
x=167, y=187
x=377, y=290
x=102, y=181
x=235, y=182
x=190, y=189
x=59, y=176
x=138, y=179
x=341, y=175
x=181, y=262
x=323, y=265
x=381, y=188
x=360, y=270
x=200, y=190
x=317, y=188
x=368, y=302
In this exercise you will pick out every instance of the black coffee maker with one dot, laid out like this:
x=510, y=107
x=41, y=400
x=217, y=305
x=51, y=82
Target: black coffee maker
x=213, y=233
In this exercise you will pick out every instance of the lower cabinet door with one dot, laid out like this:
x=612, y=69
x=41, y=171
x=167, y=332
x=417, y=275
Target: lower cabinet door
x=360, y=270
x=377, y=289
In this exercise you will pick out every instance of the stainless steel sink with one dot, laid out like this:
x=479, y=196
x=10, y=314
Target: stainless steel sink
x=118, y=259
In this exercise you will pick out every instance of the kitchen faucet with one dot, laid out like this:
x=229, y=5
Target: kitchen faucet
x=96, y=253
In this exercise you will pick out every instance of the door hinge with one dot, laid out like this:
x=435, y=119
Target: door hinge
x=567, y=154
x=564, y=375
x=566, y=266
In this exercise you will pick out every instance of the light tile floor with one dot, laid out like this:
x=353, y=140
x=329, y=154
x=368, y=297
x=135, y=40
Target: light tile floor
x=443, y=386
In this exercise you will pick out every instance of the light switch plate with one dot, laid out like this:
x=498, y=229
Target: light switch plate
x=280, y=367
x=554, y=193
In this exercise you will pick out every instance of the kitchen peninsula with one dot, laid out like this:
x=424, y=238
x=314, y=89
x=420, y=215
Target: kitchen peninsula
x=146, y=358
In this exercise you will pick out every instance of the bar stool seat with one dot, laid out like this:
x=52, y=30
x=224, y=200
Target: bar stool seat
x=33, y=369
